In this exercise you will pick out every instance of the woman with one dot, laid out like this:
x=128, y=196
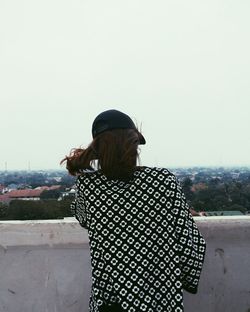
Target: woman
x=145, y=247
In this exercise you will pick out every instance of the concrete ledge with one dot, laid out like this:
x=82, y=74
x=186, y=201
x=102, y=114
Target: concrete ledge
x=45, y=266
x=42, y=232
x=225, y=280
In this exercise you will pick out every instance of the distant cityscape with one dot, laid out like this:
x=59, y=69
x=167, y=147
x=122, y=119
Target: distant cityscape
x=38, y=194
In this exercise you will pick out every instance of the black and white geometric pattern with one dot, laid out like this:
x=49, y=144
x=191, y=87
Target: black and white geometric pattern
x=145, y=247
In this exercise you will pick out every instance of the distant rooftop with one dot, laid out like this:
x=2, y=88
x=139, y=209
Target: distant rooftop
x=224, y=213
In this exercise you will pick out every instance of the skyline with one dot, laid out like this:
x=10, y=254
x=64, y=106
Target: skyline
x=180, y=70
x=229, y=167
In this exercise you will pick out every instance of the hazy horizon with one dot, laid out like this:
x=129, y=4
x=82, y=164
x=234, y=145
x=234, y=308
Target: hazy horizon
x=168, y=167
x=180, y=69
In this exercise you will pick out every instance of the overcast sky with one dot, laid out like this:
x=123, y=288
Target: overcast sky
x=181, y=69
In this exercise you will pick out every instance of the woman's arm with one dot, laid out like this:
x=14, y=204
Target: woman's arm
x=191, y=245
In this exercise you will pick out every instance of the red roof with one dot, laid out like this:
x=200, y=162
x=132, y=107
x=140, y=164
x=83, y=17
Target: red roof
x=54, y=187
x=31, y=192
x=48, y=188
x=25, y=193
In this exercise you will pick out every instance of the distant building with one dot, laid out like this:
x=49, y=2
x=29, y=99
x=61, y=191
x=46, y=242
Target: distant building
x=26, y=194
x=29, y=194
x=2, y=188
x=67, y=194
x=224, y=213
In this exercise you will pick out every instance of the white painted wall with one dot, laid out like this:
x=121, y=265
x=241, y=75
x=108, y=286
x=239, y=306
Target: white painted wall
x=45, y=266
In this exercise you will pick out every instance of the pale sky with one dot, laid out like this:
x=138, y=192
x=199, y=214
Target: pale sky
x=181, y=69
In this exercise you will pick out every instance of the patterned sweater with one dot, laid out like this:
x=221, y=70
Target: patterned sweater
x=145, y=247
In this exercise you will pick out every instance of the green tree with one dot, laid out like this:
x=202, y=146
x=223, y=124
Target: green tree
x=35, y=210
x=187, y=188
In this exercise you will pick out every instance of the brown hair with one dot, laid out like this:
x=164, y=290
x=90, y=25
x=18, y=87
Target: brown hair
x=116, y=153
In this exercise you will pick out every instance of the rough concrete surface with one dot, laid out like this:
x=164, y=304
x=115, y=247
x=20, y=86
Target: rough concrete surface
x=45, y=266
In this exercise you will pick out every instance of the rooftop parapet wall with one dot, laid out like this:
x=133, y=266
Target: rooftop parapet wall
x=45, y=266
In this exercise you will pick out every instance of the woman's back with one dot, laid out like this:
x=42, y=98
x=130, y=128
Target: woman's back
x=145, y=247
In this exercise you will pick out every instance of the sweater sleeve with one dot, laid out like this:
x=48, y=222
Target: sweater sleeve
x=78, y=205
x=191, y=245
